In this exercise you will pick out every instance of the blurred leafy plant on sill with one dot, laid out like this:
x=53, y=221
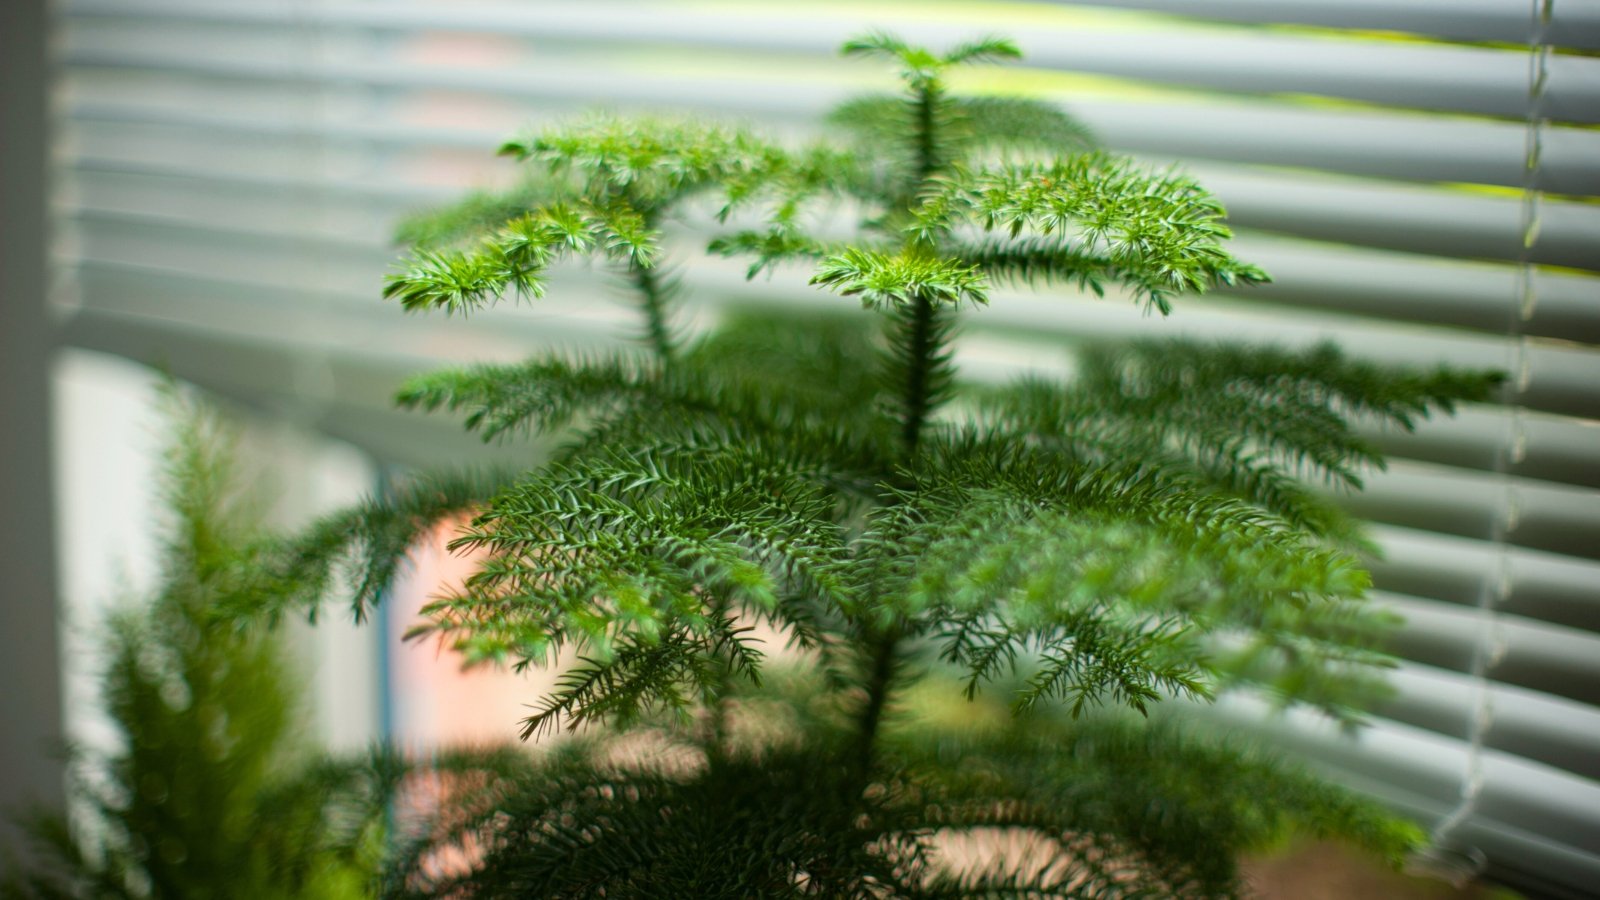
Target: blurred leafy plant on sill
x=1091, y=551
x=212, y=790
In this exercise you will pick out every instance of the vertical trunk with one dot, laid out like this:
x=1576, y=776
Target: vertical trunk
x=916, y=405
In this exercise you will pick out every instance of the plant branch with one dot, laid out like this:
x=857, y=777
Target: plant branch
x=921, y=349
x=653, y=296
x=927, y=159
x=920, y=355
x=879, y=678
x=653, y=300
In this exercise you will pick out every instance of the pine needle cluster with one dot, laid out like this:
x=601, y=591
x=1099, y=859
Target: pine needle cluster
x=1153, y=531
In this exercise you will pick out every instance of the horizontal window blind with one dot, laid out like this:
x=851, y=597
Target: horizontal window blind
x=1420, y=177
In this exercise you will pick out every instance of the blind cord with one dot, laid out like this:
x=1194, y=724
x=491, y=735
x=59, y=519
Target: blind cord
x=1450, y=855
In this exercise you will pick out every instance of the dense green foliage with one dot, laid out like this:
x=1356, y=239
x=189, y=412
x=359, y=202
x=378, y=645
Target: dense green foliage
x=1151, y=532
x=211, y=791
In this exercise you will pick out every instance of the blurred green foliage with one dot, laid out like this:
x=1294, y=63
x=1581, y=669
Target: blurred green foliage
x=212, y=790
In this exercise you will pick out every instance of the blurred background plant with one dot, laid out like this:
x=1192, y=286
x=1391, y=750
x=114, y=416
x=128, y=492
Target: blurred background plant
x=214, y=788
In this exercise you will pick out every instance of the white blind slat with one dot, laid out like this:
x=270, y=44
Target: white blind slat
x=1554, y=448
x=1575, y=25
x=1413, y=218
x=1270, y=132
x=1543, y=586
x=1564, y=662
x=1555, y=518
x=1542, y=812
x=1537, y=726
x=1457, y=78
